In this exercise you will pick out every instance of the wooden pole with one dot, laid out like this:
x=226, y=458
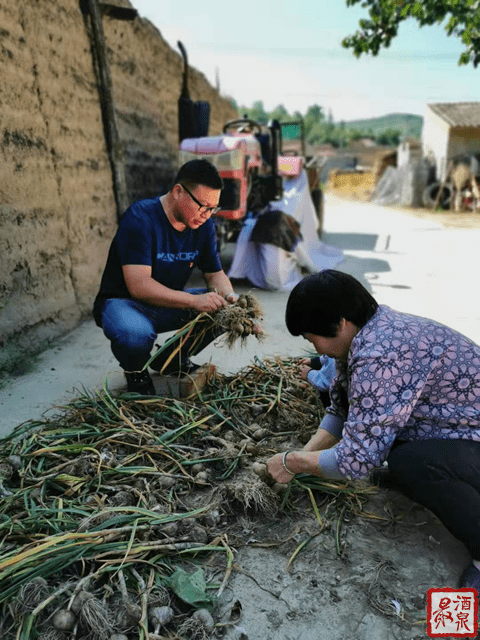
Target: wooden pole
x=107, y=104
x=442, y=185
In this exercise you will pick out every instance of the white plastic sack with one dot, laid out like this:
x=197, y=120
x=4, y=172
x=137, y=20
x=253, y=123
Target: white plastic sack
x=270, y=267
x=297, y=202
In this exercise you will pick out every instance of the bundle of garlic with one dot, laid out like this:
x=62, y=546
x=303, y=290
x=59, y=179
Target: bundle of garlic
x=111, y=497
x=234, y=321
x=240, y=320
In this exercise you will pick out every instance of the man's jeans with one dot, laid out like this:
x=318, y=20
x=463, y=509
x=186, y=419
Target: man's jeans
x=132, y=327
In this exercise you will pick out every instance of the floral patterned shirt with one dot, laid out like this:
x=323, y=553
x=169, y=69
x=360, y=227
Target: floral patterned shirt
x=409, y=378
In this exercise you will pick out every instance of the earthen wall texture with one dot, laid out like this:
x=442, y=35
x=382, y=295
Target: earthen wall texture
x=57, y=205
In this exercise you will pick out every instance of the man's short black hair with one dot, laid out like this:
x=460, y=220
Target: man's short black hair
x=195, y=172
x=319, y=301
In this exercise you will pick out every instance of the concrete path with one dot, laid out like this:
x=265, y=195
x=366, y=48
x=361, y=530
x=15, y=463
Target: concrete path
x=410, y=264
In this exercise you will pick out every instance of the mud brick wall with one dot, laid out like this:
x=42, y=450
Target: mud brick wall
x=147, y=79
x=57, y=206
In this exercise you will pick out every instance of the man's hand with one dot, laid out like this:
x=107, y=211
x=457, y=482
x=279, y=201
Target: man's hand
x=208, y=302
x=231, y=297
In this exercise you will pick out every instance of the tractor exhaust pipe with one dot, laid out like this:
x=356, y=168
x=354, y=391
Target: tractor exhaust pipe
x=193, y=117
x=276, y=146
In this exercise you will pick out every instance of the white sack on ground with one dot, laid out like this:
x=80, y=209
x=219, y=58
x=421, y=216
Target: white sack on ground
x=270, y=267
x=297, y=202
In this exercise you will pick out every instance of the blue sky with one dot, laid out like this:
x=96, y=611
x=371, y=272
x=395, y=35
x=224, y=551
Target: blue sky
x=289, y=53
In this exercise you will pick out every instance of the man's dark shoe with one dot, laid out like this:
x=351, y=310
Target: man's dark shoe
x=140, y=382
x=184, y=368
x=470, y=578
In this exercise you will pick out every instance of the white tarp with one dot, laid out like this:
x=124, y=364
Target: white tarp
x=270, y=267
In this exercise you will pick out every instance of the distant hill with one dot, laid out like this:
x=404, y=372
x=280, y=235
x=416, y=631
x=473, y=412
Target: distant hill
x=408, y=124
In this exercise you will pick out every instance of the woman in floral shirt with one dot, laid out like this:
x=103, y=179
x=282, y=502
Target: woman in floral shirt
x=407, y=391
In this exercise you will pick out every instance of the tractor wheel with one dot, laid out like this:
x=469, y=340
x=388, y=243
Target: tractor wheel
x=431, y=192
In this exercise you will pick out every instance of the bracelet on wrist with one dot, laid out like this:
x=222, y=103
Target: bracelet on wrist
x=284, y=463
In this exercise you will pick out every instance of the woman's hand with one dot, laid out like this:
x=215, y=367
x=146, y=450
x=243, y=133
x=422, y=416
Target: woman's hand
x=276, y=469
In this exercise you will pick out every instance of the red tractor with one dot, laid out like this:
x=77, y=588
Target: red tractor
x=249, y=158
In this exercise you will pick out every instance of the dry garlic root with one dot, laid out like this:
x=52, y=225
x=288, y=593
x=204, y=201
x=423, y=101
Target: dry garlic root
x=240, y=319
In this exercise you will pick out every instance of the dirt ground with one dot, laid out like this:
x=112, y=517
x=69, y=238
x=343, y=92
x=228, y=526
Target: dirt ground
x=356, y=573
x=362, y=577
x=448, y=219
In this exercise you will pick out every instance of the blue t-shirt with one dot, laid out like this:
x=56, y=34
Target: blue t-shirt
x=146, y=236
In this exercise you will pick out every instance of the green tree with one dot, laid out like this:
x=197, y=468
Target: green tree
x=463, y=21
x=330, y=128
x=280, y=114
x=243, y=111
x=355, y=134
x=313, y=117
x=258, y=113
x=234, y=103
x=390, y=137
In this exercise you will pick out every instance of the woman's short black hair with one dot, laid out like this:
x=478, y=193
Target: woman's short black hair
x=319, y=301
x=195, y=172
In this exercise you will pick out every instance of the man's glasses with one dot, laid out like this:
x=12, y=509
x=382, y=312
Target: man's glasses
x=203, y=208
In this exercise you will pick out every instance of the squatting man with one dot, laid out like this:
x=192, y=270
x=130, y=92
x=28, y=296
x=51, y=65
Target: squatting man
x=406, y=391
x=158, y=243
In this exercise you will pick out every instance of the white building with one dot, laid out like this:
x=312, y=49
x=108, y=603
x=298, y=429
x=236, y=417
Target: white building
x=450, y=130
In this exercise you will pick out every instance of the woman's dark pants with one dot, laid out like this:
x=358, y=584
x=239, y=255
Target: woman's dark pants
x=444, y=476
